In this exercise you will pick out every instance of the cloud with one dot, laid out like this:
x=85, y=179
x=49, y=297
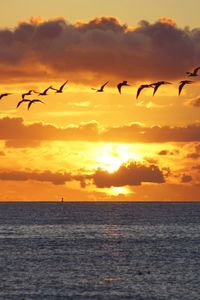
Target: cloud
x=100, y=48
x=157, y=134
x=44, y=176
x=195, y=154
x=186, y=178
x=130, y=174
x=167, y=152
x=18, y=134
x=195, y=102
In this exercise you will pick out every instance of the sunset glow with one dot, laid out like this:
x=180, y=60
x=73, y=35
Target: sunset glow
x=91, y=104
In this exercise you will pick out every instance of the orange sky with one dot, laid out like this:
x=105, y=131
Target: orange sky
x=90, y=146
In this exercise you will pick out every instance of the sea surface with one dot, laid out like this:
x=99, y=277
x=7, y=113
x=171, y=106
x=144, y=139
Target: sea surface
x=108, y=251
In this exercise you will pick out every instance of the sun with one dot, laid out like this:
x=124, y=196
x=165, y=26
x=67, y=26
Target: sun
x=114, y=155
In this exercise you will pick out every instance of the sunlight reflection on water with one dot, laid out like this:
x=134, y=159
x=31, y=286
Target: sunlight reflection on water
x=99, y=251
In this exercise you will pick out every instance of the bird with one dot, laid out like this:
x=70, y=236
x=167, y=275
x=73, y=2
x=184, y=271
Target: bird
x=101, y=89
x=194, y=72
x=141, y=87
x=28, y=93
x=123, y=83
x=33, y=101
x=4, y=95
x=60, y=90
x=157, y=84
x=21, y=101
x=44, y=93
x=182, y=84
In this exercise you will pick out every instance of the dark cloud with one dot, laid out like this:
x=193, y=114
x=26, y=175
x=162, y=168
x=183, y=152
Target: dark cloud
x=195, y=154
x=186, y=178
x=167, y=152
x=101, y=46
x=130, y=174
x=18, y=134
x=44, y=176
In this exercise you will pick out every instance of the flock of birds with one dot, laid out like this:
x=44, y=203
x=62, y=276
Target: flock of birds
x=154, y=85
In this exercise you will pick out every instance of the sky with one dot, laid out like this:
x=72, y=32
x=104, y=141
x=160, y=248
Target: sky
x=85, y=145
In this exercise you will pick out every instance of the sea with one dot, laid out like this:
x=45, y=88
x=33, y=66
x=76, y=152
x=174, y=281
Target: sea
x=99, y=251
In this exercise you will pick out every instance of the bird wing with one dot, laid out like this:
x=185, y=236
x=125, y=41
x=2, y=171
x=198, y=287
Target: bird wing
x=155, y=88
x=20, y=102
x=45, y=91
x=33, y=101
x=119, y=87
x=3, y=95
x=104, y=85
x=139, y=90
x=181, y=87
x=196, y=70
x=62, y=86
x=30, y=103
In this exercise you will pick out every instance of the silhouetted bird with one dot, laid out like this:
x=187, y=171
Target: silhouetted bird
x=194, y=72
x=157, y=84
x=61, y=88
x=141, y=87
x=101, y=88
x=21, y=101
x=33, y=101
x=182, y=84
x=44, y=93
x=28, y=93
x=4, y=95
x=124, y=83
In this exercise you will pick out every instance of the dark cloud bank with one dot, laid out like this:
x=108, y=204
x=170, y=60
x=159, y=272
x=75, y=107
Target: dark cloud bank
x=16, y=133
x=102, y=46
x=130, y=174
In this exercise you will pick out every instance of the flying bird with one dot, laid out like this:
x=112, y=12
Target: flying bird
x=4, y=95
x=182, y=84
x=44, y=93
x=101, y=89
x=21, y=101
x=156, y=85
x=141, y=87
x=33, y=101
x=194, y=72
x=124, y=83
x=28, y=93
x=60, y=90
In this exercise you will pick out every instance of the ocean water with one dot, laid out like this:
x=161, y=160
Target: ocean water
x=140, y=251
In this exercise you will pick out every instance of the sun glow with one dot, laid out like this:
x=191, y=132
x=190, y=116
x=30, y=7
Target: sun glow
x=113, y=156
x=116, y=191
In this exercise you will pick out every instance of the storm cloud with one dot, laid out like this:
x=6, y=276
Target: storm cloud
x=102, y=47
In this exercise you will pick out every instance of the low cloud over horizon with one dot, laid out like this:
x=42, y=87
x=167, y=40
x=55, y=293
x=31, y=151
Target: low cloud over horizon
x=100, y=48
x=129, y=174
